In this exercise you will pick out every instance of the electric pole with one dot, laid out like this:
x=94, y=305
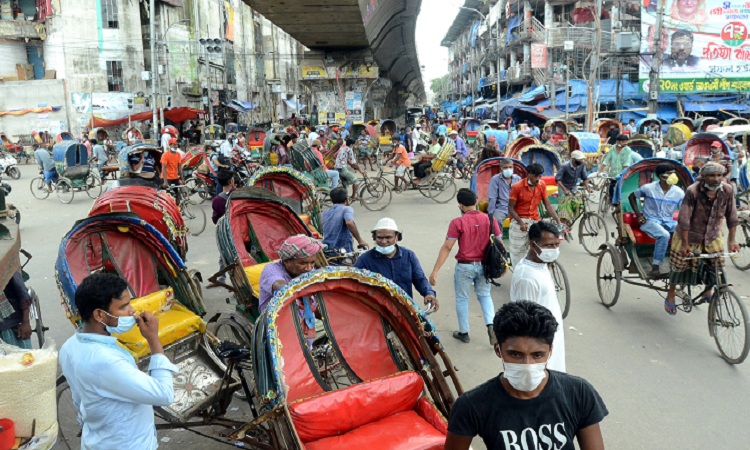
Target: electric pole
x=653, y=76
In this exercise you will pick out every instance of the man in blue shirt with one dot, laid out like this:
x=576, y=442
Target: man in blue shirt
x=499, y=191
x=338, y=223
x=442, y=129
x=397, y=263
x=501, y=136
x=661, y=199
x=114, y=399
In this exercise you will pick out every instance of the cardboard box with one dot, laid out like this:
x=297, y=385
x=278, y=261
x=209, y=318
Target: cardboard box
x=50, y=74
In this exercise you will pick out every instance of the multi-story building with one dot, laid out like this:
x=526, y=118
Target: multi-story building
x=505, y=46
x=66, y=61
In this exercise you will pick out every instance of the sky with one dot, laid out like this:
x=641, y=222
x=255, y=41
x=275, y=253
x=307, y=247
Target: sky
x=433, y=23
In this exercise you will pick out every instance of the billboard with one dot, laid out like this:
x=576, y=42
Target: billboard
x=704, y=42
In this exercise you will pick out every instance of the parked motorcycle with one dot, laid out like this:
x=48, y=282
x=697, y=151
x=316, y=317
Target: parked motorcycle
x=9, y=166
x=13, y=212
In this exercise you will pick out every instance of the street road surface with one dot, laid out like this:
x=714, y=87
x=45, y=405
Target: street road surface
x=661, y=377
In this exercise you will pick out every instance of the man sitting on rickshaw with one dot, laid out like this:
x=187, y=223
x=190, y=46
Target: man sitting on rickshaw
x=498, y=192
x=143, y=165
x=425, y=159
x=707, y=203
x=15, y=302
x=365, y=150
x=661, y=199
x=400, y=159
x=617, y=159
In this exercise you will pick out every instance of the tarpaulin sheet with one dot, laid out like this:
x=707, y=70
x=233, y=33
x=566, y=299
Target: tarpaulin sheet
x=714, y=106
x=20, y=112
x=293, y=105
x=174, y=115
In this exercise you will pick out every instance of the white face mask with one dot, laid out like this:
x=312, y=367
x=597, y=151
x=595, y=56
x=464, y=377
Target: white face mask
x=547, y=255
x=507, y=173
x=524, y=377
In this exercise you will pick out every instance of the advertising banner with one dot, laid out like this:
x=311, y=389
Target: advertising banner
x=538, y=56
x=704, y=42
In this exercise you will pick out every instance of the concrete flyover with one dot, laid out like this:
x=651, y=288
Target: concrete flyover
x=385, y=27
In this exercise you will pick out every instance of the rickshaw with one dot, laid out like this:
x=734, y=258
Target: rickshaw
x=172, y=130
x=75, y=174
x=366, y=151
x=295, y=189
x=99, y=133
x=589, y=143
x=554, y=126
x=702, y=124
x=629, y=260
x=131, y=135
x=687, y=121
x=471, y=131
x=644, y=125
x=388, y=129
x=159, y=282
x=679, y=133
x=305, y=161
x=643, y=146
x=700, y=145
x=736, y=121
x=192, y=159
x=601, y=127
x=64, y=136
x=255, y=138
x=513, y=148
x=491, y=124
x=156, y=207
x=256, y=223
x=373, y=123
x=210, y=132
x=9, y=144
x=135, y=152
x=232, y=128
x=545, y=156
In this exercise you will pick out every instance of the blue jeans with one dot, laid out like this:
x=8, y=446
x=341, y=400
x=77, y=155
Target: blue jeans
x=10, y=337
x=660, y=230
x=334, y=176
x=219, y=188
x=464, y=277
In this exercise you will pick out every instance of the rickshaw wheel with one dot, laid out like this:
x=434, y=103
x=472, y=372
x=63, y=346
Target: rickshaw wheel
x=233, y=327
x=727, y=322
x=374, y=194
x=608, y=277
x=742, y=259
x=93, y=187
x=191, y=186
x=442, y=188
x=592, y=233
x=69, y=432
x=14, y=173
x=562, y=287
x=203, y=190
x=39, y=188
x=36, y=314
x=195, y=217
x=64, y=190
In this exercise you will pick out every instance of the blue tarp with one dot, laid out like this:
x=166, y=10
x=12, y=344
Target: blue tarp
x=665, y=112
x=242, y=106
x=473, y=34
x=514, y=22
x=714, y=106
x=293, y=105
x=531, y=94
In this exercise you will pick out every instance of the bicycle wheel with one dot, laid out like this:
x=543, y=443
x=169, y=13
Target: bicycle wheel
x=596, y=183
x=727, y=322
x=69, y=432
x=374, y=195
x=203, y=190
x=191, y=186
x=442, y=188
x=236, y=328
x=562, y=287
x=64, y=190
x=603, y=200
x=742, y=259
x=14, y=173
x=608, y=277
x=39, y=188
x=93, y=186
x=195, y=217
x=592, y=233
x=36, y=316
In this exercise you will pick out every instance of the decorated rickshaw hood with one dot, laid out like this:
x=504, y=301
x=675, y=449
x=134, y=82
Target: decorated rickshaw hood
x=649, y=164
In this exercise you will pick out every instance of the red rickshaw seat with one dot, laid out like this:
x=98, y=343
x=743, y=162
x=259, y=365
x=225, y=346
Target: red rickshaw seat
x=385, y=413
x=641, y=237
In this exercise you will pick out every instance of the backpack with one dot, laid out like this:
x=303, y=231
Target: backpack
x=495, y=261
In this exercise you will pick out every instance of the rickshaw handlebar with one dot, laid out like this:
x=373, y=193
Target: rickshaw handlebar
x=698, y=255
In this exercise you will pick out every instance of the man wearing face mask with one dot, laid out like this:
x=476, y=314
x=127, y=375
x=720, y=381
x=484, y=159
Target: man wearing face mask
x=108, y=388
x=529, y=405
x=171, y=166
x=525, y=197
x=661, y=199
x=708, y=202
x=499, y=191
x=571, y=172
x=533, y=282
x=395, y=262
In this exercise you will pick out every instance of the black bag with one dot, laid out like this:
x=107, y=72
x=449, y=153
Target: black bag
x=495, y=261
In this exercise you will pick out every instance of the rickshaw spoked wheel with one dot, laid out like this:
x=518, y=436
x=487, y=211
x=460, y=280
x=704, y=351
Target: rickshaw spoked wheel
x=93, y=186
x=742, y=259
x=727, y=322
x=442, y=188
x=36, y=315
x=608, y=277
x=592, y=233
x=64, y=190
x=374, y=194
x=236, y=328
x=69, y=432
x=39, y=188
x=562, y=287
x=194, y=216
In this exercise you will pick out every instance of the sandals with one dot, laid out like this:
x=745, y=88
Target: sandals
x=670, y=307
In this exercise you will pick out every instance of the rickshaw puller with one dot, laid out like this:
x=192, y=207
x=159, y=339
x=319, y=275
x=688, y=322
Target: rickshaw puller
x=661, y=199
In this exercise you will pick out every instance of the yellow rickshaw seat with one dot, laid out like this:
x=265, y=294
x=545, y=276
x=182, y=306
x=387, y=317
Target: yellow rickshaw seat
x=253, y=276
x=175, y=322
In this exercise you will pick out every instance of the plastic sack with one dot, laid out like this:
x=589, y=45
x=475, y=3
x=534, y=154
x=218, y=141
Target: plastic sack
x=27, y=392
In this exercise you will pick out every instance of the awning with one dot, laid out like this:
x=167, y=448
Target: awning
x=714, y=106
x=291, y=104
x=241, y=106
x=174, y=115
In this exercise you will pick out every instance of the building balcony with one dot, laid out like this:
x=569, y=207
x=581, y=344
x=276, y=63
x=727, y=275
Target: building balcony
x=22, y=29
x=520, y=73
x=530, y=30
x=583, y=37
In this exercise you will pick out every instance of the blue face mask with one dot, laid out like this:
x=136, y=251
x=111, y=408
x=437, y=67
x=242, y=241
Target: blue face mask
x=385, y=250
x=124, y=324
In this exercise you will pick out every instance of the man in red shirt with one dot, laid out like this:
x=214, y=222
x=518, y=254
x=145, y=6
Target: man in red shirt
x=472, y=231
x=400, y=159
x=523, y=207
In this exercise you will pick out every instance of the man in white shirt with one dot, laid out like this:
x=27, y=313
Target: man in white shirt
x=532, y=281
x=165, y=137
x=113, y=398
x=225, y=148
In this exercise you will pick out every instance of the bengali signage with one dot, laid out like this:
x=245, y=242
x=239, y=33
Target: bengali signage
x=313, y=72
x=538, y=56
x=705, y=46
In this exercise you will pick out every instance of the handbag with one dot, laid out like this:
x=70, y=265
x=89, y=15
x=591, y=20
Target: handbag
x=495, y=261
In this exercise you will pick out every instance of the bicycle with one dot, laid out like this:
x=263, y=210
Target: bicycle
x=192, y=213
x=592, y=230
x=605, y=199
x=440, y=187
x=742, y=259
x=39, y=187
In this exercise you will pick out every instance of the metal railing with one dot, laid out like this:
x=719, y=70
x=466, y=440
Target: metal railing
x=540, y=77
x=582, y=36
x=519, y=72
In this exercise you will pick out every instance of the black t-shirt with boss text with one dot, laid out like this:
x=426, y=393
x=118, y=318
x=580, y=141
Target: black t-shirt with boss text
x=548, y=422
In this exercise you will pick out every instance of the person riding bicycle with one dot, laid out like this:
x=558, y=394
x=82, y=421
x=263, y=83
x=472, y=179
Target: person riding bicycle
x=525, y=197
x=365, y=149
x=661, y=199
x=46, y=164
x=345, y=157
x=339, y=225
x=570, y=173
x=618, y=159
x=462, y=152
x=707, y=203
x=400, y=159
